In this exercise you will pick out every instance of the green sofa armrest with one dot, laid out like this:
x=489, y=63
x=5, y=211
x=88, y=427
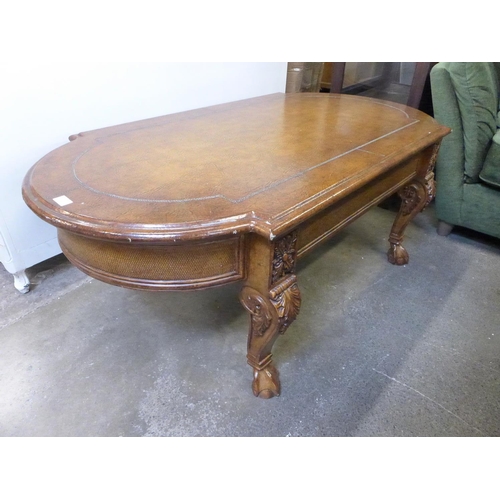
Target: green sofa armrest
x=475, y=85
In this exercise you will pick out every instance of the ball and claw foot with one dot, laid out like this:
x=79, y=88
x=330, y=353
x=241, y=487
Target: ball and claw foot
x=398, y=255
x=266, y=382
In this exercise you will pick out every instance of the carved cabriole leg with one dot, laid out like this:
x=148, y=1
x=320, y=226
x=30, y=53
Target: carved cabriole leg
x=272, y=298
x=415, y=197
x=263, y=333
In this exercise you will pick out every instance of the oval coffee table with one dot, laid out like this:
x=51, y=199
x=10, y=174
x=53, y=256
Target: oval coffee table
x=232, y=192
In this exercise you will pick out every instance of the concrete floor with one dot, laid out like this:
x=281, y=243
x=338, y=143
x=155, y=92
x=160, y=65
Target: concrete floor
x=377, y=350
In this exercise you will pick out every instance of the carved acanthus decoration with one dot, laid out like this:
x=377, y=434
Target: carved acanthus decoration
x=285, y=297
x=434, y=156
x=256, y=305
x=430, y=188
x=284, y=257
x=411, y=197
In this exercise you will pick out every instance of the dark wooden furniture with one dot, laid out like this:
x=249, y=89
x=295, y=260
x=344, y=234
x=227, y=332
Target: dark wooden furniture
x=420, y=76
x=238, y=191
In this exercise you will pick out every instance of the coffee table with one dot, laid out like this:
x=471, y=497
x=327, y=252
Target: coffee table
x=234, y=192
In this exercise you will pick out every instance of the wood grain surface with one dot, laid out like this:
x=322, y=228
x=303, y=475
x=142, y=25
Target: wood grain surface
x=257, y=165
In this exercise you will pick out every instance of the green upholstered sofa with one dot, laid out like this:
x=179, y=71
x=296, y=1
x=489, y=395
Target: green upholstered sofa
x=465, y=97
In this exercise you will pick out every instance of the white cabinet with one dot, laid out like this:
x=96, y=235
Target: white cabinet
x=24, y=241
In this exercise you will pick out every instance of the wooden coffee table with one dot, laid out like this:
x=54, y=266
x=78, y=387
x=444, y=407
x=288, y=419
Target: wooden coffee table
x=234, y=192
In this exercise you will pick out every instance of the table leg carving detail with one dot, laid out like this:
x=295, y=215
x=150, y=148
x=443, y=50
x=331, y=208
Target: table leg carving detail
x=414, y=198
x=260, y=312
x=285, y=297
x=284, y=257
x=264, y=329
x=269, y=317
x=272, y=297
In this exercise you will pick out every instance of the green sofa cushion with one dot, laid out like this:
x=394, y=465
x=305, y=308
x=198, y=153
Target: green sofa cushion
x=491, y=169
x=476, y=88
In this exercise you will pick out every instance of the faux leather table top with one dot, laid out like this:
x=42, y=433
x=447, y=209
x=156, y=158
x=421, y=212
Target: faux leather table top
x=252, y=165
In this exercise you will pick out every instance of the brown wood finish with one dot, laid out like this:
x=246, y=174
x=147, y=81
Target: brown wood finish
x=422, y=70
x=420, y=75
x=238, y=191
x=337, y=77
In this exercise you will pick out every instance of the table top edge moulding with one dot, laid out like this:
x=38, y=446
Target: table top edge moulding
x=236, y=213
x=234, y=192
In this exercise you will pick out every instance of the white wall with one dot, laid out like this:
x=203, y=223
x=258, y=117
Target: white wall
x=42, y=104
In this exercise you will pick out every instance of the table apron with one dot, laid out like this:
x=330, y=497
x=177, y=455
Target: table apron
x=208, y=263
x=157, y=267
x=325, y=224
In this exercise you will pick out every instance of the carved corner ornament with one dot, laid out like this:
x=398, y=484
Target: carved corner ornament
x=260, y=315
x=417, y=195
x=411, y=197
x=434, y=155
x=429, y=181
x=285, y=295
x=430, y=188
x=286, y=299
x=284, y=257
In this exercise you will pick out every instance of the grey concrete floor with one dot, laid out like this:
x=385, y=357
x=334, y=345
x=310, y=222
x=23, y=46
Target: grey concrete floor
x=377, y=350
